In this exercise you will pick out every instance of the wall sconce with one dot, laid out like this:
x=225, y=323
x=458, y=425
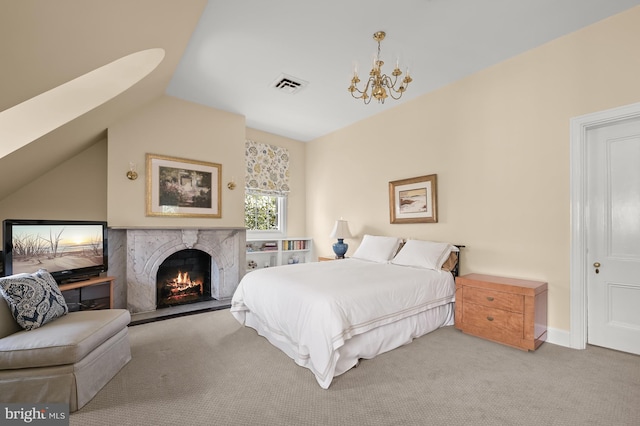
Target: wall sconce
x=132, y=174
x=232, y=185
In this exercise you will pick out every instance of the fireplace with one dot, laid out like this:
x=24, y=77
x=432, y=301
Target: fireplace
x=136, y=254
x=184, y=277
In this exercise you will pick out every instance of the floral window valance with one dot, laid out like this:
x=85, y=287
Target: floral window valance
x=267, y=169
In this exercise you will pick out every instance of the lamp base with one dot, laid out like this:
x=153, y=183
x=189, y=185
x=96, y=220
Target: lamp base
x=340, y=248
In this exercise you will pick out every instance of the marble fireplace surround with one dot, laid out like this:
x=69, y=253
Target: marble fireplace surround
x=135, y=254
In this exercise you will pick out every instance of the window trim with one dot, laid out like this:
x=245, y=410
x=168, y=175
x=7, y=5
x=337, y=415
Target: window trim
x=281, y=232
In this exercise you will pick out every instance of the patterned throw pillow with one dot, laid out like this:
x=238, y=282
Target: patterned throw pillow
x=34, y=299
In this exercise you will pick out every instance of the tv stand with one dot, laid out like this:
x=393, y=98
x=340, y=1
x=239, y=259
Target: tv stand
x=96, y=293
x=78, y=278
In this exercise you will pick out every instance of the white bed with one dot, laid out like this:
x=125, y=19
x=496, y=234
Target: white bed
x=328, y=315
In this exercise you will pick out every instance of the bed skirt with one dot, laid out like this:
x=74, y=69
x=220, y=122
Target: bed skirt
x=362, y=346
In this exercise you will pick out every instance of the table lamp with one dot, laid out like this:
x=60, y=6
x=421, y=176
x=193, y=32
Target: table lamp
x=340, y=231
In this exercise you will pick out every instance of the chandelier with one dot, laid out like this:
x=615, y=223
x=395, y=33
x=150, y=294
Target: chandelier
x=379, y=85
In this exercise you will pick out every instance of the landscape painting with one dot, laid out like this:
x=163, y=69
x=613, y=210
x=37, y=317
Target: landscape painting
x=413, y=200
x=184, y=188
x=181, y=187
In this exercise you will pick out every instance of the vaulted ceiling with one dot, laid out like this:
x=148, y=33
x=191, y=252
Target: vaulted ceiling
x=226, y=54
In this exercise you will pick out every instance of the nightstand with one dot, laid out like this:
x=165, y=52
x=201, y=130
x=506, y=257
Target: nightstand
x=326, y=258
x=505, y=310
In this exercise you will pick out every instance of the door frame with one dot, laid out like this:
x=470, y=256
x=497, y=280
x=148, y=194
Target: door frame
x=579, y=126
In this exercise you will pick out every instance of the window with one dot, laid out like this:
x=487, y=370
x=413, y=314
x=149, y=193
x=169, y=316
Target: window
x=266, y=189
x=265, y=213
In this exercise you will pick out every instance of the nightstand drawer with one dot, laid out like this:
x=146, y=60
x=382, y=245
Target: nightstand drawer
x=493, y=323
x=494, y=299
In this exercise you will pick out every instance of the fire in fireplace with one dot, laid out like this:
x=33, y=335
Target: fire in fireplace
x=184, y=277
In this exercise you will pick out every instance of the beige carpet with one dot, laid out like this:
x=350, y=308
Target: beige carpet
x=206, y=369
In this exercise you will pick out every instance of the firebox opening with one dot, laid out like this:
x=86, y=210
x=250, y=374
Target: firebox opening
x=184, y=277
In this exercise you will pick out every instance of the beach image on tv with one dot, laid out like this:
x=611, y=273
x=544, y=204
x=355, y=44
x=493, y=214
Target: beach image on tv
x=56, y=248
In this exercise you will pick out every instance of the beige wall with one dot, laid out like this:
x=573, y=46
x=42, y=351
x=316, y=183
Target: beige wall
x=174, y=128
x=76, y=189
x=499, y=142
x=296, y=218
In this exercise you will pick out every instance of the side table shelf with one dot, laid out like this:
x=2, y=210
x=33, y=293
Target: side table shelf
x=91, y=294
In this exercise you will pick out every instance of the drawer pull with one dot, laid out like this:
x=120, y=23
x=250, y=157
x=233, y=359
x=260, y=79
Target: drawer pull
x=490, y=318
x=490, y=299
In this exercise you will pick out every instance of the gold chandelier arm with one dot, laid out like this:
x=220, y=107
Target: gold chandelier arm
x=391, y=93
x=366, y=98
x=363, y=93
x=392, y=85
x=353, y=88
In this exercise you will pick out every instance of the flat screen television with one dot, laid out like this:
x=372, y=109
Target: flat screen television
x=70, y=250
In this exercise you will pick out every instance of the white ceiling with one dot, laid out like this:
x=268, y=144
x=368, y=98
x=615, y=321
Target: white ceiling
x=240, y=47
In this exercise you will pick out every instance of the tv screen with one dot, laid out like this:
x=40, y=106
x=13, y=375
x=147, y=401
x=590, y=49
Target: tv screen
x=69, y=249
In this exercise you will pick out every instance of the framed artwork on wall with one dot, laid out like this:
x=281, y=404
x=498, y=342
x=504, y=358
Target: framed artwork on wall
x=183, y=188
x=414, y=200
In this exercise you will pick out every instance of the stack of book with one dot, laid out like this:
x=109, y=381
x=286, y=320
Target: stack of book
x=270, y=246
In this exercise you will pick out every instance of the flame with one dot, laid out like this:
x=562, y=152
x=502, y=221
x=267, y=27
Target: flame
x=183, y=282
x=183, y=278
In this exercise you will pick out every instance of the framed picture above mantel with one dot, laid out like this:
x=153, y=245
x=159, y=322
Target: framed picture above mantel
x=182, y=187
x=414, y=200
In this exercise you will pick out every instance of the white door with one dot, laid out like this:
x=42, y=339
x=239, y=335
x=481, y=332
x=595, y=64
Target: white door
x=613, y=236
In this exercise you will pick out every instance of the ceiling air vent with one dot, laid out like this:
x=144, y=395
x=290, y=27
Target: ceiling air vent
x=288, y=84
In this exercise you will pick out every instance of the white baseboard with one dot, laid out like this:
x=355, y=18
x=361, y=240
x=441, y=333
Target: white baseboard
x=559, y=337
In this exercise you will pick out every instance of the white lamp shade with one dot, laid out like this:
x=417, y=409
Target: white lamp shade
x=340, y=230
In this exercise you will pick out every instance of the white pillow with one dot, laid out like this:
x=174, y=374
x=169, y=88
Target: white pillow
x=424, y=254
x=377, y=249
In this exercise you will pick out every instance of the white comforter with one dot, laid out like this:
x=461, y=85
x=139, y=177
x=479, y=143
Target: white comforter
x=316, y=307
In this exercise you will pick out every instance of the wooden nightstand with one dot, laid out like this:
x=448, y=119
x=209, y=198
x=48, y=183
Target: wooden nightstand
x=505, y=310
x=326, y=258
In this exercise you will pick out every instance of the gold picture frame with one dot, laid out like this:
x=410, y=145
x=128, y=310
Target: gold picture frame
x=179, y=187
x=414, y=200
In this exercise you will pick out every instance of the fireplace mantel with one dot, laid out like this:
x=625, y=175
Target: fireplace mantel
x=135, y=254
